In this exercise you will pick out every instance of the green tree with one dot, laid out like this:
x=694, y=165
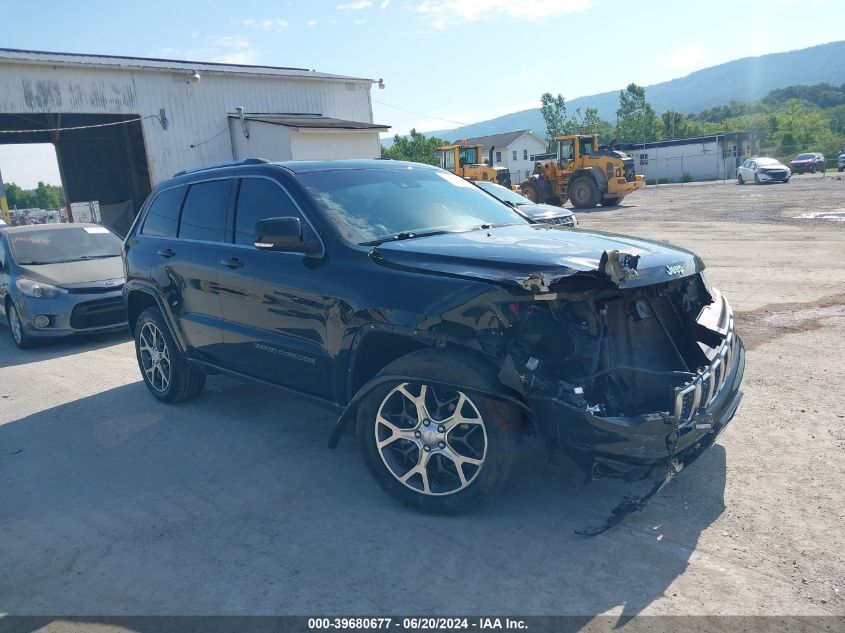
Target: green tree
x=47, y=196
x=588, y=123
x=553, y=110
x=637, y=121
x=675, y=125
x=416, y=147
x=16, y=197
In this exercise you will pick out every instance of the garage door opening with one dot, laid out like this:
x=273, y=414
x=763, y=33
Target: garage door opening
x=101, y=158
x=31, y=183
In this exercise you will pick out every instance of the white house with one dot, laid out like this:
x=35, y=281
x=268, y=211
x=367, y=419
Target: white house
x=120, y=124
x=701, y=158
x=514, y=150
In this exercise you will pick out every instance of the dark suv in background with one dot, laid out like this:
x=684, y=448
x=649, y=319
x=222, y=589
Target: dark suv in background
x=433, y=316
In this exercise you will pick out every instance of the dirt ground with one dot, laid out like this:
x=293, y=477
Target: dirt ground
x=111, y=503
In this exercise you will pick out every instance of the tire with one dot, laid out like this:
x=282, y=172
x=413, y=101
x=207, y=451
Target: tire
x=531, y=190
x=740, y=180
x=756, y=179
x=813, y=169
x=17, y=328
x=165, y=370
x=431, y=479
x=610, y=202
x=583, y=193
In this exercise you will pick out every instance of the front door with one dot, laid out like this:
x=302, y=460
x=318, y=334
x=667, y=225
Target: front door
x=271, y=301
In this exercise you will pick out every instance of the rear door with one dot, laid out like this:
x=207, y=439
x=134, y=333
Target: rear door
x=272, y=303
x=185, y=266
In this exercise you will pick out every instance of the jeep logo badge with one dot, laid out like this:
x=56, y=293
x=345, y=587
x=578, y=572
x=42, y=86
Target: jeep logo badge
x=677, y=269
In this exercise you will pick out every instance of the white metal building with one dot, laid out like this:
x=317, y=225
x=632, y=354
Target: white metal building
x=156, y=117
x=513, y=150
x=700, y=158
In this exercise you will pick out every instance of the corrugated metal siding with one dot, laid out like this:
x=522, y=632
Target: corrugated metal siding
x=195, y=113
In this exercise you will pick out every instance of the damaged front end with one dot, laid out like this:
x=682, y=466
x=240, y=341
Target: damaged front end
x=630, y=382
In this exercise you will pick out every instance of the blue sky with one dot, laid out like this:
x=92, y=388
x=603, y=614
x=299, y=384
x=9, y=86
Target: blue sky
x=444, y=62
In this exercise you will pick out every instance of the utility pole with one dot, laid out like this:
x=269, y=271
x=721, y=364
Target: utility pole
x=4, y=204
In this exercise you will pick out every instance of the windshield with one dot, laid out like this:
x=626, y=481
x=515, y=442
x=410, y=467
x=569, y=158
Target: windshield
x=503, y=193
x=767, y=162
x=65, y=244
x=370, y=205
x=804, y=157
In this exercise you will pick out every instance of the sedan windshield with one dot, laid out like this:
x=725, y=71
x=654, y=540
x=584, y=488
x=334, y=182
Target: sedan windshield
x=372, y=205
x=804, y=157
x=503, y=193
x=63, y=244
x=768, y=162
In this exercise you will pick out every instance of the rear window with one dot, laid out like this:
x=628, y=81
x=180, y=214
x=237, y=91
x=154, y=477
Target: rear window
x=204, y=212
x=163, y=214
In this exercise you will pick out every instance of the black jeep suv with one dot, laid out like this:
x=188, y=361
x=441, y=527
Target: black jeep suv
x=432, y=316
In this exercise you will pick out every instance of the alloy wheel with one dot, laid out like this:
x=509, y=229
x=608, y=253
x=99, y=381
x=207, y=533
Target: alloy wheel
x=15, y=324
x=433, y=441
x=155, y=357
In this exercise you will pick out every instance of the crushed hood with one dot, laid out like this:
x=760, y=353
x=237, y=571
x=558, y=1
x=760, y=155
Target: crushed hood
x=76, y=273
x=514, y=254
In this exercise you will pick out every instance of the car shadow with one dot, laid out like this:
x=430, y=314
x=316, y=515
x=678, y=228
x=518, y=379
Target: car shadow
x=116, y=504
x=11, y=356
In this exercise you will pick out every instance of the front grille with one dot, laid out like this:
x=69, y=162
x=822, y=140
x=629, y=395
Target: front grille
x=565, y=220
x=696, y=395
x=99, y=313
x=775, y=173
x=94, y=290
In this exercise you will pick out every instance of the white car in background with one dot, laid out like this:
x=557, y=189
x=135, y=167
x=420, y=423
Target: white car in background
x=762, y=170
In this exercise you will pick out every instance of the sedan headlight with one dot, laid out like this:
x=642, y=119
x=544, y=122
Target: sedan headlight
x=39, y=289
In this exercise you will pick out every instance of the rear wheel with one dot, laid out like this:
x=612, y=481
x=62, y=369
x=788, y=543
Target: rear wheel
x=435, y=448
x=166, y=372
x=756, y=179
x=531, y=190
x=740, y=180
x=19, y=333
x=583, y=193
x=610, y=202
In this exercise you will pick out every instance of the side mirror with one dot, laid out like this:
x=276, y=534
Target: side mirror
x=284, y=234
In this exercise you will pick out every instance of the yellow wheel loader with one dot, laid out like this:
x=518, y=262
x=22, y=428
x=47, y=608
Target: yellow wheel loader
x=465, y=161
x=584, y=174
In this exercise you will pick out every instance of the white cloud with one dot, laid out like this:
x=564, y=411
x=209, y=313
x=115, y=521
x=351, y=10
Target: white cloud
x=686, y=56
x=444, y=13
x=266, y=25
x=312, y=23
x=360, y=21
x=237, y=57
x=384, y=4
x=355, y=6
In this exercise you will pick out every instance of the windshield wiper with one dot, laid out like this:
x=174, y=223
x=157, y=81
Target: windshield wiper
x=85, y=258
x=404, y=235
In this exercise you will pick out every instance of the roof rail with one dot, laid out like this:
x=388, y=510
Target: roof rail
x=231, y=163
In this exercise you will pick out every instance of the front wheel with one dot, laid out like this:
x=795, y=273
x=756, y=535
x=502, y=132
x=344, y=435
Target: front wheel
x=166, y=372
x=19, y=333
x=583, y=193
x=435, y=448
x=531, y=190
x=740, y=180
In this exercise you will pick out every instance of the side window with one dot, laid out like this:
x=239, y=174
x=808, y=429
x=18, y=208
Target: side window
x=204, y=211
x=260, y=199
x=163, y=213
x=498, y=157
x=525, y=154
x=514, y=155
x=449, y=159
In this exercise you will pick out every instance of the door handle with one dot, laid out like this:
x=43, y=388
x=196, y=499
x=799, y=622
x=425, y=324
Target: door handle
x=232, y=262
x=166, y=252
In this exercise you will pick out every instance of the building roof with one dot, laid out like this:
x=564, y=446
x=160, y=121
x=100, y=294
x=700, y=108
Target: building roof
x=311, y=121
x=497, y=140
x=694, y=140
x=159, y=64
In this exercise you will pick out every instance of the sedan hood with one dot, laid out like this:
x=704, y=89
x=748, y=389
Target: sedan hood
x=80, y=273
x=536, y=256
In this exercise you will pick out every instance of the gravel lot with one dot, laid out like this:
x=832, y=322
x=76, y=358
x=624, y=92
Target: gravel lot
x=230, y=504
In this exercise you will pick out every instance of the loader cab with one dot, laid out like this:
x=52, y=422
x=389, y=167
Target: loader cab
x=456, y=157
x=571, y=148
x=469, y=156
x=567, y=149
